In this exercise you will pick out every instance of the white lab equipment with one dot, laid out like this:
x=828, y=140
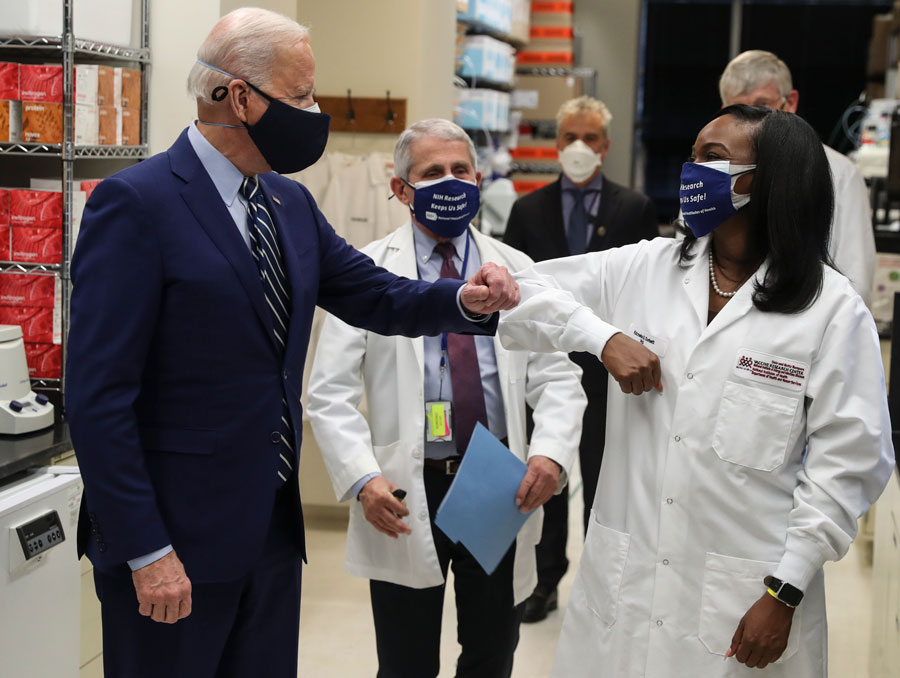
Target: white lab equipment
x=21, y=409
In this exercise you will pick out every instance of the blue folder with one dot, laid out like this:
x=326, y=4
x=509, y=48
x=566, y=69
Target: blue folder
x=479, y=510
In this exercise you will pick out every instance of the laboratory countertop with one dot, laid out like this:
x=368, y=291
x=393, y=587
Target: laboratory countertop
x=18, y=453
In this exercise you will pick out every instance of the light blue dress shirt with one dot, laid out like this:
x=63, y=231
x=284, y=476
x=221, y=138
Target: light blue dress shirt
x=591, y=201
x=227, y=179
x=429, y=264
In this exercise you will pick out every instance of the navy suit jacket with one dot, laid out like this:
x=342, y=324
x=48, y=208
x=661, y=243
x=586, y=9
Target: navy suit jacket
x=174, y=380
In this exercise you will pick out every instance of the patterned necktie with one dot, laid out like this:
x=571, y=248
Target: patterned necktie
x=267, y=253
x=576, y=233
x=465, y=374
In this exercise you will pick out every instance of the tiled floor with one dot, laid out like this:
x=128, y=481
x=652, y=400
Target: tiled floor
x=337, y=637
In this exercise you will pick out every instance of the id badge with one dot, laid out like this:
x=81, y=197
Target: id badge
x=438, y=421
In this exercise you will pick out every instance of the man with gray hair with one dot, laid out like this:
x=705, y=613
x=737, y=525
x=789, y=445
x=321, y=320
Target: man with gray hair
x=760, y=78
x=411, y=385
x=195, y=279
x=583, y=211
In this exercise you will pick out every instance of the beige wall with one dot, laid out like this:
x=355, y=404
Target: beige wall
x=405, y=46
x=609, y=43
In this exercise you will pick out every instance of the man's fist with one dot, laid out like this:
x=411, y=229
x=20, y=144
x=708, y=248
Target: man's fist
x=634, y=367
x=491, y=289
x=163, y=590
x=382, y=508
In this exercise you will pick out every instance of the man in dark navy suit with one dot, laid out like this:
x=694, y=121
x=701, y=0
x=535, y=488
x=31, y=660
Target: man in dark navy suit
x=583, y=211
x=195, y=279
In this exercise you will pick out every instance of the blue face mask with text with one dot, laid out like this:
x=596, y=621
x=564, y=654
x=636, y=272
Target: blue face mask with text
x=445, y=206
x=707, y=194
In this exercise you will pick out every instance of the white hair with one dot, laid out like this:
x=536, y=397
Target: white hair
x=584, y=104
x=752, y=69
x=246, y=43
x=432, y=127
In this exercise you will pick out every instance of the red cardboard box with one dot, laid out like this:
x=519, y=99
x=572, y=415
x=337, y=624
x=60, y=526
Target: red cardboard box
x=41, y=82
x=9, y=81
x=21, y=289
x=36, y=322
x=37, y=245
x=4, y=207
x=89, y=186
x=35, y=209
x=44, y=360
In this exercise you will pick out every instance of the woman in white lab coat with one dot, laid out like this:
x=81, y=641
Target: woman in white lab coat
x=750, y=427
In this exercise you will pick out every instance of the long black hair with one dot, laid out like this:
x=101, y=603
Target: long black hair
x=790, y=210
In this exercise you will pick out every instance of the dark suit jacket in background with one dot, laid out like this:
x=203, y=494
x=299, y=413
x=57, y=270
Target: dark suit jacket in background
x=536, y=227
x=174, y=381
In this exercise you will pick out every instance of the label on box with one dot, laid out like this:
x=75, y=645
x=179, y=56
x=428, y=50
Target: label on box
x=42, y=122
x=21, y=289
x=552, y=33
x=35, y=209
x=36, y=322
x=11, y=121
x=131, y=88
x=41, y=83
x=37, y=245
x=105, y=85
x=44, y=360
x=545, y=58
x=86, y=83
x=524, y=98
x=9, y=81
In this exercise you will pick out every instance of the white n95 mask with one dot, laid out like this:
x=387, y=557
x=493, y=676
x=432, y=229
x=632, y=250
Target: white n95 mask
x=579, y=161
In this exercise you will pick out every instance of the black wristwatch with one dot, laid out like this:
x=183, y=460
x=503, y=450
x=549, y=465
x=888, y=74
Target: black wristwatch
x=787, y=594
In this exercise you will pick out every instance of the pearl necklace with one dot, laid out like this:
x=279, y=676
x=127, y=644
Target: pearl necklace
x=712, y=279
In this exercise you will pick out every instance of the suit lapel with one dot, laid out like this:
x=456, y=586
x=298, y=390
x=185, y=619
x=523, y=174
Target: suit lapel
x=606, y=215
x=206, y=204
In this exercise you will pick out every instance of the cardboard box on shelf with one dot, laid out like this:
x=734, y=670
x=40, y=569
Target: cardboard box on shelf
x=88, y=186
x=42, y=122
x=4, y=207
x=36, y=322
x=107, y=88
x=131, y=88
x=548, y=53
x=22, y=289
x=521, y=20
x=86, y=83
x=131, y=127
x=527, y=182
x=110, y=128
x=37, y=245
x=540, y=96
x=41, y=82
x=11, y=121
x=44, y=360
x=35, y=209
x=87, y=125
x=552, y=13
x=9, y=81
x=5, y=243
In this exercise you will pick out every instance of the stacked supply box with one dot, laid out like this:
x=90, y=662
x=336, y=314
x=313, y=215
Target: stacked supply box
x=4, y=225
x=41, y=90
x=492, y=15
x=10, y=103
x=540, y=96
x=33, y=302
x=484, y=58
x=551, y=43
x=482, y=109
x=36, y=219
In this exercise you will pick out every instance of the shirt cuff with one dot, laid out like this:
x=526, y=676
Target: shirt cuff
x=584, y=331
x=150, y=558
x=471, y=317
x=354, y=491
x=801, y=561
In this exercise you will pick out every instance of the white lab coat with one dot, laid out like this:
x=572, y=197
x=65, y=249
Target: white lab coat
x=391, y=370
x=852, y=244
x=704, y=488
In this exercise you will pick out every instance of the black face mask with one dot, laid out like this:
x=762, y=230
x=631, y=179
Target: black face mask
x=290, y=139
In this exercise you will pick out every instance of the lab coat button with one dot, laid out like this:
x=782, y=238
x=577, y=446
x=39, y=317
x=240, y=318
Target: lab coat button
x=677, y=439
x=417, y=453
x=670, y=501
x=690, y=375
x=423, y=515
x=659, y=622
x=665, y=561
x=687, y=281
x=276, y=437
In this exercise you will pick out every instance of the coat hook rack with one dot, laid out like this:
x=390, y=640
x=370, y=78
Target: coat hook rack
x=374, y=115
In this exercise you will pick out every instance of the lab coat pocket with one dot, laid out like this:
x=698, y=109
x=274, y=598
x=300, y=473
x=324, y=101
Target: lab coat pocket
x=754, y=426
x=730, y=588
x=394, y=465
x=602, y=567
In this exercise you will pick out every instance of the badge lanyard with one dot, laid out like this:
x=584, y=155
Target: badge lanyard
x=462, y=276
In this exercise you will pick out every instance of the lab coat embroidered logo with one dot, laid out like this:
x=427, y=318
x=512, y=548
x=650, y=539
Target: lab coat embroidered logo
x=745, y=363
x=771, y=370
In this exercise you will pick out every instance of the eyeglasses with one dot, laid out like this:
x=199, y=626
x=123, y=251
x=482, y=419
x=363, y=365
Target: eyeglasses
x=777, y=104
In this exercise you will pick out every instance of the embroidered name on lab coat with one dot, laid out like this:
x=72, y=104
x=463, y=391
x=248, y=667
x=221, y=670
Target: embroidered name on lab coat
x=656, y=344
x=770, y=369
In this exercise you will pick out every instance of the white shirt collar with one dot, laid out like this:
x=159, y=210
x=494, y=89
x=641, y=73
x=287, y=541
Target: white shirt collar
x=225, y=176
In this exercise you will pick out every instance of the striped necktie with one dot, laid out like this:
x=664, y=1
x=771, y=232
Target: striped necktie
x=267, y=253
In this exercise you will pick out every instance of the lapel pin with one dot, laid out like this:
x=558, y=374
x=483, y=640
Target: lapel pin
x=601, y=231
x=275, y=198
